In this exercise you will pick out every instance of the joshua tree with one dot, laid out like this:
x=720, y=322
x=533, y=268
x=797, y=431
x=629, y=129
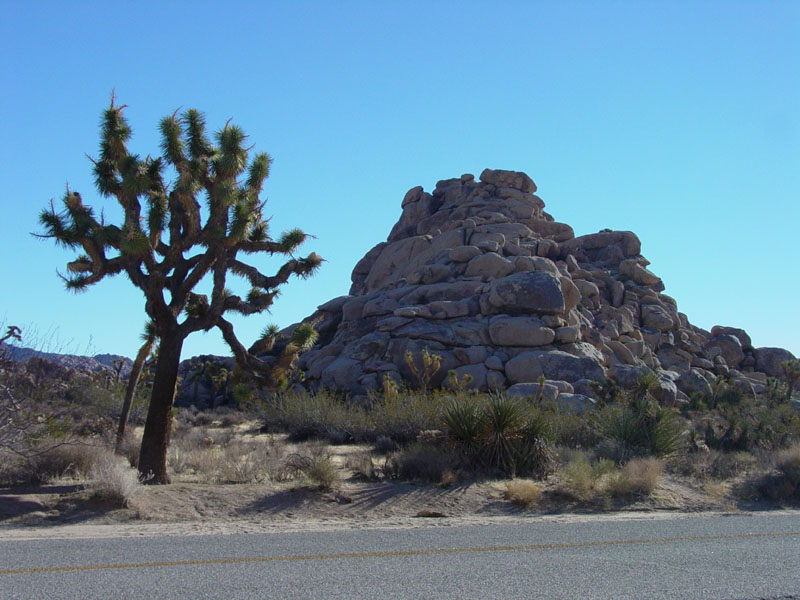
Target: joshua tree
x=196, y=226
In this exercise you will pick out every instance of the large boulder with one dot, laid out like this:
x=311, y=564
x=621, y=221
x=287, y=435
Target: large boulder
x=769, y=360
x=519, y=331
x=553, y=364
x=533, y=292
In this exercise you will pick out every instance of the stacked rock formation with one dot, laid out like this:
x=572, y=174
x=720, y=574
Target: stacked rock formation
x=480, y=274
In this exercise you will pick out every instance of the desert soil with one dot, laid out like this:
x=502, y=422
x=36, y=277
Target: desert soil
x=185, y=508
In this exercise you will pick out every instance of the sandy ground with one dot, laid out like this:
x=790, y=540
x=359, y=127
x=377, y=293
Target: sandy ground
x=59, y=511
x=66, y=509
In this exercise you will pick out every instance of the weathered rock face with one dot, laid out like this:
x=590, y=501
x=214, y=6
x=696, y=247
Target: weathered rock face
x=480, y=274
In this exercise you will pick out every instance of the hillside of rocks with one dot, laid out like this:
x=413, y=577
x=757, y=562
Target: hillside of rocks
x=479, y=273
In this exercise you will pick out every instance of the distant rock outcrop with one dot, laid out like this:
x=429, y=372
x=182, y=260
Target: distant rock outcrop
x=86, y=364
x=480, y=274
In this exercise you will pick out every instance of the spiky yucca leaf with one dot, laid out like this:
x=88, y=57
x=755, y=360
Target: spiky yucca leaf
x=310, y=264
x=106, y=177
x=55, y=226
x=76, y=283
x=239, y=220
x=291, y=240
x=269, y=331
x=149, y=332
x=232, y=159
x=133, y=242
x=259, y=171
x=259, y=232
x=260, y=298
x=199, y=145
x=304, y=336
x=463, y=418
x=172, y=145
x=82, y=264
x=504, y=418
x=668, y=436
x=114, y=133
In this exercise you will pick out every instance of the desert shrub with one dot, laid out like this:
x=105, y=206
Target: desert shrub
x=750, y=426
x=578, y=479
x=642, y=427
x=425, y=461
x=369, y=468
x=787, y=463
x=129, y=447
x=231, y=418
x=314, y=416
x=325, y=416
x=501, y=432
x=463, y=418
x=403, y=416
x=727, y=465
x=317, y=467
x=363, y=466
x=570, y=430
x=251, y=462
x=113, y=481
x=637, y=476
x=73, y=460
x=782, y=484
x=523, y=492
x=237, y=461
x=384, y=445
x=584, y=480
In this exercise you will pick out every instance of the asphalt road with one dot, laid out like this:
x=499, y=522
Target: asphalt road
x=732, y=558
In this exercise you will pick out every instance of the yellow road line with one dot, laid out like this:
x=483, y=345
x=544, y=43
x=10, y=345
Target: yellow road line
x=267, y=559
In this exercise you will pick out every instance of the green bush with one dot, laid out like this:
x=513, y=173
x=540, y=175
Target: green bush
x=503, y=433
x=426, y=462
x=640, y=426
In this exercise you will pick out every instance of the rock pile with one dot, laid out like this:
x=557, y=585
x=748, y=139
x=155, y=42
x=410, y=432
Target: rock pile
x=480, y=274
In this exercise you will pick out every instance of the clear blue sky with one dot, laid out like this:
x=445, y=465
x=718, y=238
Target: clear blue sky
x=679, y=121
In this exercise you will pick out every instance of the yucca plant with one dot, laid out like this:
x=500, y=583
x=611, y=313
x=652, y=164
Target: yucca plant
x=195, y=228
x=639, y=424
x=504, y=418
x=463, y=418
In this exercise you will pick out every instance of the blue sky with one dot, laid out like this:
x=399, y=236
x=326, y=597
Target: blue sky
x=679, y=121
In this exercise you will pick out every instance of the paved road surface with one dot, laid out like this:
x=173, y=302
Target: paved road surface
x=732, y=558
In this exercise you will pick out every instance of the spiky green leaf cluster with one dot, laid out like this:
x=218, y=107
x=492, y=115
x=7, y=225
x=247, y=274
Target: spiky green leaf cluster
x=304, y=336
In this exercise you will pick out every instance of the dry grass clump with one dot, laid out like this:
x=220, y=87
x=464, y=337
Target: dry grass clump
x=584, y=480
x=317, y=467
x=579, y=479
x=637, y=476
x=325, y=416
x=783, y=483
x=523, y=492
x=788, y=463
x=113, y=481
x=129, y=447
x=363, y=467
x=73, y=461
x=426, y=462
x=718, y=465
x=198, y=454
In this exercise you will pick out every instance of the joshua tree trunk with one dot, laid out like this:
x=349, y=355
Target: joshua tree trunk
x=133, y=381
x=153, y=455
